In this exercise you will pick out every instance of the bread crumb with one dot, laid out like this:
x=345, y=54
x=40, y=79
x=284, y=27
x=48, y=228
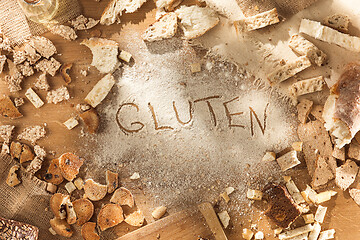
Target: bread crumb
x=32, y=134
x=19, y=102
x=125, y=56
x=259, y=235
x=58, y=95
x=39, y=151
x=83, y=23
x=71, y=123
x=82, y=107
x=247, y=234
x=43, y=46
x=63, y=31
x=195, y=67
x=51, y=188
x=135, y=176
x=26, y=69
x=269, y=157
x=19, y=56
x=34, y=98
x=158, y=212
x=224, y=218
x=70, y=187
x=42, y=83
x=49, y=66
x=84, y=73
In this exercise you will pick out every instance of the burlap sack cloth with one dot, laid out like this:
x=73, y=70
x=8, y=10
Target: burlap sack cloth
x=18, y=28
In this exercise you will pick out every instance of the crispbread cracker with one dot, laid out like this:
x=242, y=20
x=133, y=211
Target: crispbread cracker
x=354, y=150
x=339, y=153
x=355, y=194
x=315, y=139
x=346, y=174
x=322, y=174
x=317, y=111
x=303, y=109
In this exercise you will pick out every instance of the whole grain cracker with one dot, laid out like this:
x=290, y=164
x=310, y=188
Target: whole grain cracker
x=322, y=174
x=303, y=109
x=346, y=174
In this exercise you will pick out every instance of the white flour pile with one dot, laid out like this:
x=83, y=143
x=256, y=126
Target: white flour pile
x=194, y=162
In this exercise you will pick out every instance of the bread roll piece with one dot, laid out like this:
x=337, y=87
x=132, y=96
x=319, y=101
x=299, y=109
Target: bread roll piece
x=66, y=32
x=94, y=191
x=43, y=46
x=342, y=110
x=339, y=22
x=91, y=120
x=84, y=209
x=104, y=53
x=109, y=216
x=167, y=5
x=307, y=86
x=196, y=21
x=257, y=21
x=135, y=219
x=12, y=179
x=88, y=231
x=304, y=47
x=58, y=203
x=115, y=8
x=8, y=109
x=164, y=27
x=329, y=35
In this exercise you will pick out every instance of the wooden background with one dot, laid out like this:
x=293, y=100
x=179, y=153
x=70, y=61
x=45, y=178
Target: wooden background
x=343, y=214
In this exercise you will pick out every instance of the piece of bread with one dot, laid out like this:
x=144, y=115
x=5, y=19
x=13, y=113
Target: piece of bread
x=21, y=152
x=70, y=213
x=35, y=165
x=112, y=181
x=19, y=56
x=317, y=112
x=224, y=218
x=196, y=21
x=346, y=174
x=58, y=203
x=355, y=194
x=35, y=100
x=83, y=23
x=322, y=174
x=296, y=232
x=104, y=53
x=341, y=111
x=94, y=191
x=123, y=196
x=8, y=109
x=70, y=165
x=158, y=212
x=164, y=27
x=288, y=70
x=71, y=123
x=303, y=109
x=50, y=66
x=328, y=234
x=66, y=32
x=91, y=120
x=43, y=46
x=109, y=216
x=88, y=231
x=115, y=8
x=329, y=35
x=26, y=69
x=294, y=192
x=257, y=21
x=314, y=234
x=42, y=83
x=135, y=219
x=58, y=95
x=84, y=209
x=288, y=160
x=61, y=227
x=18, y=101
x=339, y=22
x=353, y=151
x=282, y=209
x=167, y=5
x=100, y=90
x=307, y=86
x=320, y=214
x=306, y=48
x=53, y=174
x=65, y=72
x=32, y=134
x=14, y=79
x=3, y=59
x=12, y=179
x=31, y=55
x=6, y=132
x=340, y=153
x=11, y=229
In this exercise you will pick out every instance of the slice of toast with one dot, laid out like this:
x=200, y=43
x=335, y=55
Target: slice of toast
x=109, y=216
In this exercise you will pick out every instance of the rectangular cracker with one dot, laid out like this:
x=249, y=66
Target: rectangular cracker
x=317, y=111
x=354, y=150
x=346, y=174
x=314, y=234
x=329, y=35
x=294, y=192
x=288, y=70
x=307, y=86
x=71, y=123
x=257, y=21
x=304, y=47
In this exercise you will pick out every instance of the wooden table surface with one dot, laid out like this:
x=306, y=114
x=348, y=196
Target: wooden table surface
x=342, y=214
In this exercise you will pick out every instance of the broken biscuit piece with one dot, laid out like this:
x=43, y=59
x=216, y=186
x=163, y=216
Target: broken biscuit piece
x=48, y=66
x=339, y=22
x=135, y=219
x=71, y=123
x=58, y=95
x=112, y=181
x=100, y=90
x=346, y=174
x=32, y=96
x=303, y=109
x=8, y=109
x=322, y=174
x=42, y=83
x=165, y=27
x=307, y=86
x=84, y=209
x=224, y=218
x=25, y=69
x=83, y=23
x=95, y=191
x=123, y=196
x=61, y=227
x=88, y=231
x=12, y=179
x=254, y=194
x=109, y=216
x=70, y=165
x=258, y=21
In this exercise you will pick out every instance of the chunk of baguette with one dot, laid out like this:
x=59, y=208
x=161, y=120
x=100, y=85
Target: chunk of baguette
x=196, y=21
x=257, y=21
x=307, y=86
x=164, y=27
x=168, y=5
x=288, y=70
x=100, y=90
x=339, y=22
x=115, y=8
x=329, y=35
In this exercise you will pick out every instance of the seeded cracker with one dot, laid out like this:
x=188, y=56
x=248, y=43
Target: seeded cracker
x=8, y=109
x=322, y=174
x=6, y=132
x=19, y=102
x=14, y=79
x=11, y=229
x=58, y=95
x=32, y=134
x=317, y=111
x=303, y=109
x=346, y=174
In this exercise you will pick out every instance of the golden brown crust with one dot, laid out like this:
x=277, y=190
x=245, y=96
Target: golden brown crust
x=135, y=219
x=94, y=191
x=8, y=109
x=65, y=72
x=84, y=209
x=12, y=179
x=61, y=227
x=109, y=216
x=58, y=205
x=111, y=181
x=88, y=231
x=123, y=196
x=70, y=164
x=53, y=174
x=91, y=120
